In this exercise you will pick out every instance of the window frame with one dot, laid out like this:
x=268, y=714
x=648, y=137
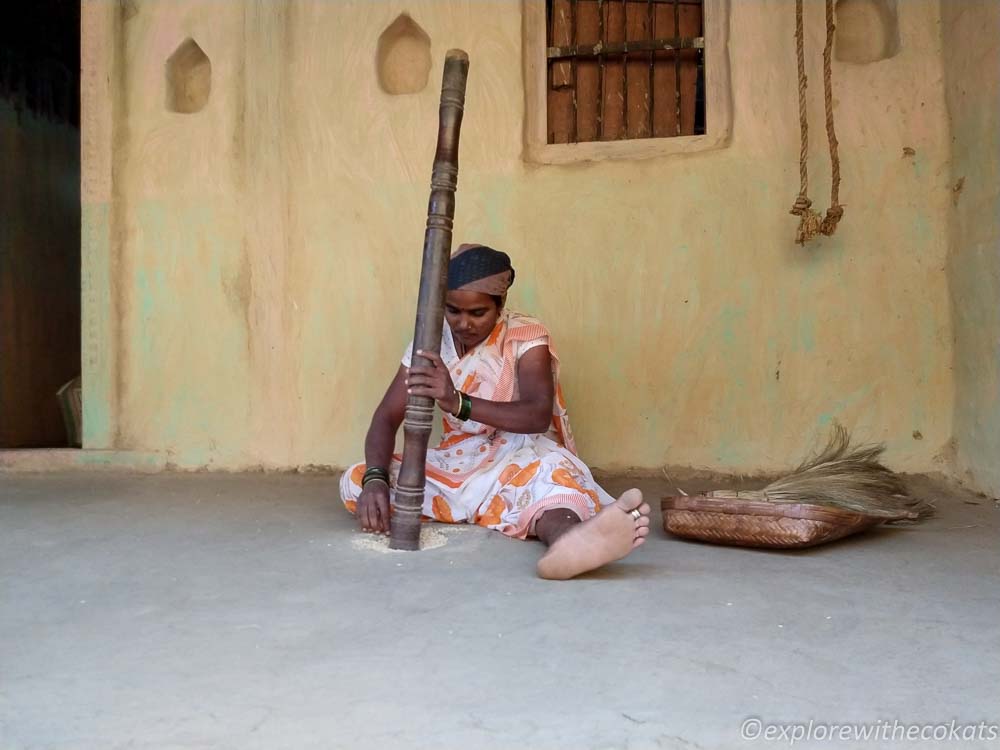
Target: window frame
x=718, y=98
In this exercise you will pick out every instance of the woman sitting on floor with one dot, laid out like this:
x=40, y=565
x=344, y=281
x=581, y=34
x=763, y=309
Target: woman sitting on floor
x=507, y=459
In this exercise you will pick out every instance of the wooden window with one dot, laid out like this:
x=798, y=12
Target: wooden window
x=625, y=78
x=622, y=69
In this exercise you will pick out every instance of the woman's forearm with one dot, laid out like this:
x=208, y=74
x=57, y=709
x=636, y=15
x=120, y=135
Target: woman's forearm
x=381, y=438
x=380, y=441
x=530, y=414
x=525, y=417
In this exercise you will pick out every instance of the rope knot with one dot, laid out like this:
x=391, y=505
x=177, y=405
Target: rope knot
x=829, y=224
x=801, y=206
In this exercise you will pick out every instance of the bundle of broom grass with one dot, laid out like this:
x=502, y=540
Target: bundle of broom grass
x=844, y=476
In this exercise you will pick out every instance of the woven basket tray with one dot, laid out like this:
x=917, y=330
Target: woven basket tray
x=723, y=518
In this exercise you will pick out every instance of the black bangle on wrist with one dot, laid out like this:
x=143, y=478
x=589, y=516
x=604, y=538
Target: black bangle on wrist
x=375, y=473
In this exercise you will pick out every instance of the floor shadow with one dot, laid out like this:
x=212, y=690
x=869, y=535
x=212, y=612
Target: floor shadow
x=622, y=571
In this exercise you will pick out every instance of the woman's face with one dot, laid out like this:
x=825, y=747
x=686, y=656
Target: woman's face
x=472, y=316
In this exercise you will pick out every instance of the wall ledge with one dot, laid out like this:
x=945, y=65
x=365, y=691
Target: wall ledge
x=43, y=460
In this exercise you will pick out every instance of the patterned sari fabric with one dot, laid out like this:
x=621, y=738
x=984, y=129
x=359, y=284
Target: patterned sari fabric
x=479, y=474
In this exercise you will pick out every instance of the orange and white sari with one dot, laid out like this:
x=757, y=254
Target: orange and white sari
x=479, y=474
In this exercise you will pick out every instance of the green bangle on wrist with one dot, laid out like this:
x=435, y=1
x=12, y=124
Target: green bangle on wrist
x=465, y=407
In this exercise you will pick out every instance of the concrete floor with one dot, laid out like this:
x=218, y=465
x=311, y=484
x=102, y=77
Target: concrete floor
x=219, y=611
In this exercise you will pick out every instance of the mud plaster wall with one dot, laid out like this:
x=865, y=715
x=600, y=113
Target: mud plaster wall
x=250, y=270
x=39, y=275
x=972, y=90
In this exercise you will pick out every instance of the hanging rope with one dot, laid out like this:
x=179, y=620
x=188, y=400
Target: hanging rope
x=810, y=222
x=835, y=211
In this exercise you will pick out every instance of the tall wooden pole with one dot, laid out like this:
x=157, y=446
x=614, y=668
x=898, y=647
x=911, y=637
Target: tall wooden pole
x=405, y=524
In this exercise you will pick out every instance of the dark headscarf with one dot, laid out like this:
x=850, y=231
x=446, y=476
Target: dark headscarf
x=477, y=268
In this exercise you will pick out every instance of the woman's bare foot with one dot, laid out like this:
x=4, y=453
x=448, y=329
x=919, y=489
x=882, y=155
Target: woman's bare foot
x=610, y=535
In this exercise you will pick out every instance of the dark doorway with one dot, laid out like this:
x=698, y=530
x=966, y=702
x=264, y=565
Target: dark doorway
x=39, y=219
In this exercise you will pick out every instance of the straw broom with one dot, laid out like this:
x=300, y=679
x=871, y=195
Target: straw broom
x=843, y=476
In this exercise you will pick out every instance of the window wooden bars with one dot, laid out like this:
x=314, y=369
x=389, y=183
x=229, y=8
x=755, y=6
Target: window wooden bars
x=619, y=28
x=607, y=49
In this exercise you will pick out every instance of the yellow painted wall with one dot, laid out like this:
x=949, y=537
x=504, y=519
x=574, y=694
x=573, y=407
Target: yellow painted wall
x=252, y=268
x=972, y=86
